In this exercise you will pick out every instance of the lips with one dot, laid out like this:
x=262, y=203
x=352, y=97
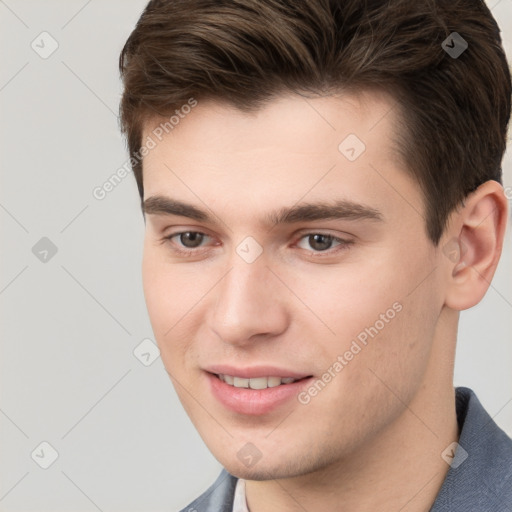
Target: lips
x=256, y=390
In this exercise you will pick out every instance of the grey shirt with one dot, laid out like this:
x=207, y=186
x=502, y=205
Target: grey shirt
x=479, y=479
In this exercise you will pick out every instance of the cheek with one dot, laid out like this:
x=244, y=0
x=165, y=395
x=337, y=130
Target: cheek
x=156, y=282
x=381, y=323
x=400, y=354
x=383, y=362
x=349, y=300
x=168, y=298
x=175, y=296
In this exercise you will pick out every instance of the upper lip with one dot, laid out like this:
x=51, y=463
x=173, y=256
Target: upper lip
x=255, y=371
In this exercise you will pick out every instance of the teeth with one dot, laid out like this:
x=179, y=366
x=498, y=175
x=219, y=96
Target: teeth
x=273, y=382
x=241, y=383
x=256, y=382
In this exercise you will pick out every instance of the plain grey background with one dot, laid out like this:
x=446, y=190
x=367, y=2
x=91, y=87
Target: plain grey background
x=71, y=302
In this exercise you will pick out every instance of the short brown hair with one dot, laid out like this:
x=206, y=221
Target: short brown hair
x=246, y=52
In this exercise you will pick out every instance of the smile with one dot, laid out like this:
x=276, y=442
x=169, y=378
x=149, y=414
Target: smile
x=255, y=395
x=255, y=382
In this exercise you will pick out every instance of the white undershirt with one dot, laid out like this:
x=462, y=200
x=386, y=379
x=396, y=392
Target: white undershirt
x=240, y=503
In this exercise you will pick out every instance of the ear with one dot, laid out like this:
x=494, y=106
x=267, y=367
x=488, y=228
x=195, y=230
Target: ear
x=472, y=245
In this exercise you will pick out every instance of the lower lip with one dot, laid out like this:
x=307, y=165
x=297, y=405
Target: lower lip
x=254, y=402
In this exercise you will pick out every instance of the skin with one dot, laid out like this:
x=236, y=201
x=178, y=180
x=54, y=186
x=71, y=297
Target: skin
x=372, y=438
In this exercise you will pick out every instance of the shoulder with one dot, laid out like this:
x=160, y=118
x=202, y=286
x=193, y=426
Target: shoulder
x=217, y=498
x=481, y=472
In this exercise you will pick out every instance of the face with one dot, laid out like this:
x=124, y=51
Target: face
x=278, y=248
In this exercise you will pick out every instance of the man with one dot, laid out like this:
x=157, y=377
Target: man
x=321, y=189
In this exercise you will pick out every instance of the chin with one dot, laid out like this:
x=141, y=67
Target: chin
x=272, y=470
x=253, y=474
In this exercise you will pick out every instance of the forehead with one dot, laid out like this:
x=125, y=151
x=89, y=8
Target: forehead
x=292, y=148
x=288, y=121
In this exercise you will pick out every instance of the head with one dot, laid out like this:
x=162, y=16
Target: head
x=320, y=182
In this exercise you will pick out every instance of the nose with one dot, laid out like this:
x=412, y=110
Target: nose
x=248, y=304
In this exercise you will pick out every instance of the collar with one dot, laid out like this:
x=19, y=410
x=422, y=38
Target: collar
x=240, y=503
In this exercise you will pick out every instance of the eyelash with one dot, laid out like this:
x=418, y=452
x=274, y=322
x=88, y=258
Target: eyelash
x=342, y=244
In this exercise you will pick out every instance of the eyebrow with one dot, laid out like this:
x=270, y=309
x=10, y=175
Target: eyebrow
x=340, y=209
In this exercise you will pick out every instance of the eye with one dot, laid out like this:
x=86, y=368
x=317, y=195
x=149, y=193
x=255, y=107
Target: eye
x=188, y=239
x=319, y=242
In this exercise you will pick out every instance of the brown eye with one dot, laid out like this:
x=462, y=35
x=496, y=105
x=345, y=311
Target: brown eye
x=323, y=243
x=191, y=239
x=319, y=242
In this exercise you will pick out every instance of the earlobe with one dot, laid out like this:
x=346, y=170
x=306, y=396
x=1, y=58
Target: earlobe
x=474, y=244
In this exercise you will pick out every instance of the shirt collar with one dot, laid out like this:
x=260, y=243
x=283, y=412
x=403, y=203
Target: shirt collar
x=240, y=502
